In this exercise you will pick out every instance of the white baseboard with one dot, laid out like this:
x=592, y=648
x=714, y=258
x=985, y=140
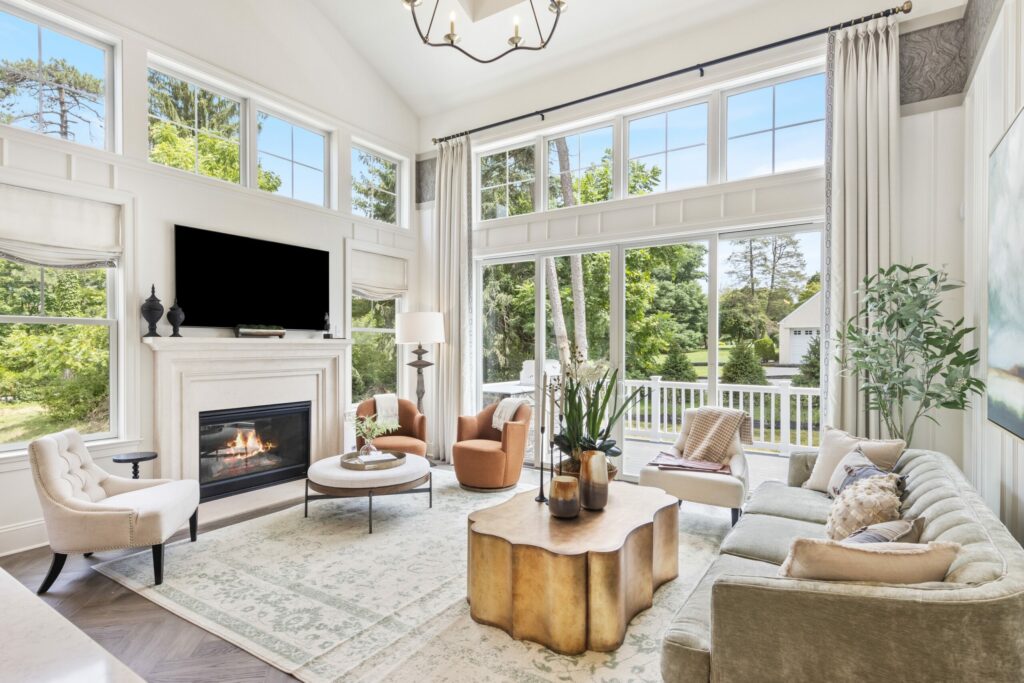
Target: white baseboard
x=21, y=536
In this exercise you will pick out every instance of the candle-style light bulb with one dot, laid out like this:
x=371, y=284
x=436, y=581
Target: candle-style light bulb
x=516, y=38
x=451, y=23
x=516, y=21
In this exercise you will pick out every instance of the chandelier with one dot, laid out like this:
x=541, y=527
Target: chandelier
x=516, y=41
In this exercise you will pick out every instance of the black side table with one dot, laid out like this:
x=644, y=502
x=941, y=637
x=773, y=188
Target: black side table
x=134, y=459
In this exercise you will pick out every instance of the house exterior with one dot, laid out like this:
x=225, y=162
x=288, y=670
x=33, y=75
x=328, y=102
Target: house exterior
x=797, y=329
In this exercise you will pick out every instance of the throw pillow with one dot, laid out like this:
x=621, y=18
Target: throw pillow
x=855, y=466
x=811, y=558
x=900, y=530
x=835, y=444
x=863, y=503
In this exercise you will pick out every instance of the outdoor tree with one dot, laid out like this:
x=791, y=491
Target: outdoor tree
x=811, y=287
x=765, y=350
x=677, y=367
x=743, y=367
x=373, y=195
x=810, y=365
x=67, y=99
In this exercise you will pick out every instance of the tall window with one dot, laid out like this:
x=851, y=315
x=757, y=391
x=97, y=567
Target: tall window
x=777, y=128
x=291, y=159
x=374, y=186
x=374, y=356
x=56, y=337
x=194, y=129
x=53, y=83
x=507, y=183
x=580, y=168
x=669, y=151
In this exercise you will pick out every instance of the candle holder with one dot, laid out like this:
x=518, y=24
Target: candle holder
x=541, y=498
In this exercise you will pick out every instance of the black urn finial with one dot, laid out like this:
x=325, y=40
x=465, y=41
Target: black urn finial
x=175, y=317
x=152, y=311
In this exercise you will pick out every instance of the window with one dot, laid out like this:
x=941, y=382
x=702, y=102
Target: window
x=53, y=83
x=507, y=183
x=777, y=128
x=193, y=129
x=580, y=168
x=668, y=151
x=291, y=159
x=57, y=338
x=374, y=356
x=374, y=186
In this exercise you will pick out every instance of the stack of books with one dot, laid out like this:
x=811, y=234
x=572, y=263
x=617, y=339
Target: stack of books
x=375, y=458
x=671, y=461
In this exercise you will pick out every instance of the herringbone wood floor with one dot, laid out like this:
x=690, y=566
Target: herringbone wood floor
x=156, y=644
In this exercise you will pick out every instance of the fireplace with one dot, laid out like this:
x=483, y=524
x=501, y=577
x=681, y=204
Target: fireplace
x=247, y=448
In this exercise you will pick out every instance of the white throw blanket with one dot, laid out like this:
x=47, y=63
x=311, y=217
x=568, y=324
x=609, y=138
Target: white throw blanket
x=387, y=408
x=505, y=411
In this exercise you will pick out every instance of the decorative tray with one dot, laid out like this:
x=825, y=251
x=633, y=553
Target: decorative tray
x=350, y=461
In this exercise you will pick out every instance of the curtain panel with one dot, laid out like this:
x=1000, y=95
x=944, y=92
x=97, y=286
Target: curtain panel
x=862, y=195
x=453, y=229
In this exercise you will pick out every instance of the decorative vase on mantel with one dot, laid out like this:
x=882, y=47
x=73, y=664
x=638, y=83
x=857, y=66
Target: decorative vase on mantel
x=593, y=480
x=175, y=317
x=152, y=311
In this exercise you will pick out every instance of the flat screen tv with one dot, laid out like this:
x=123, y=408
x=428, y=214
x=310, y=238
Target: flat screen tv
x=225, y=280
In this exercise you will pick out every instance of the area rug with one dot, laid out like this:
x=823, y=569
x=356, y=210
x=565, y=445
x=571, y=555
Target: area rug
x=321, y=599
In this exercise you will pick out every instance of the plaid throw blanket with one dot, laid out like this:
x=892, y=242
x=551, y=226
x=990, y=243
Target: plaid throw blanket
x=711, y=433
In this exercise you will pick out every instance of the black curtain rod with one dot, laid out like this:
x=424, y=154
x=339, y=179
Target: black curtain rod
x=902, y=9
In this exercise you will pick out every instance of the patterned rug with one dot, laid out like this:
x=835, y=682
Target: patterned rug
x=321, y=599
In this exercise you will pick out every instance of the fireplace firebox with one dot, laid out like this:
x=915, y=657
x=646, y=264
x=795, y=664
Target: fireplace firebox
x=247, y=448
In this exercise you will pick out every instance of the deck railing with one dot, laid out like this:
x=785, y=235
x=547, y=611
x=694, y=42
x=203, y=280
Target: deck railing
x=785, y=418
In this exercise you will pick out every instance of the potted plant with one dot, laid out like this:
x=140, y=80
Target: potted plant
x=368, y=429
x=590, y=408
x=909, y=358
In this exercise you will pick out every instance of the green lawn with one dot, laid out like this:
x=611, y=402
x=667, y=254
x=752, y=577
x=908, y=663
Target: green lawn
x=701, y=356
x=26, y=421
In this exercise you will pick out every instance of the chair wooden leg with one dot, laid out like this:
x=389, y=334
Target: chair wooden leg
x=736, y=512
x=158, y=563
x=193, y=525
x=55, y=566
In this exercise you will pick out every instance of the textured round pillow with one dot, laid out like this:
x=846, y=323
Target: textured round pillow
x=865, y=502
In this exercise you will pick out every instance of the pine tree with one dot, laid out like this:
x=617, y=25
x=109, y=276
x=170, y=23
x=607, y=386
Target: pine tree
x=810, y=365
x=743, y=366
x=677, y=367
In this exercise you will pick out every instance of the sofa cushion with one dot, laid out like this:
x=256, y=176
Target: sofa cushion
x=159, y=510
x=898, y=530
x=402, y=444
x=893, y=563
x=836, y=444
x=685, y=650
x=724, y=490
x=766, y=538
x=775, y=498
x=863, y=503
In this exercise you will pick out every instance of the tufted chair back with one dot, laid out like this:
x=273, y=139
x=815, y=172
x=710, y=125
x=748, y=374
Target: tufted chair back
x=64, y=469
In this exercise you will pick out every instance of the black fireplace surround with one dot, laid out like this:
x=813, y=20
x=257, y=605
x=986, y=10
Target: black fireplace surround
x=247, y=448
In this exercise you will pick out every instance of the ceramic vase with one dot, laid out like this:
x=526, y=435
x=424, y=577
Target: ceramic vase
x=565, y=497
x=593, y=480
x=175, y=317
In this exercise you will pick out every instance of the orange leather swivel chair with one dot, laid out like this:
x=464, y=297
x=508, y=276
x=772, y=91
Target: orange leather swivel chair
x=411, y=435
x=487, y=459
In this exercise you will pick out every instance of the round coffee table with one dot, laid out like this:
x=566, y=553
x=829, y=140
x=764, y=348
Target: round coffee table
x=330, y=480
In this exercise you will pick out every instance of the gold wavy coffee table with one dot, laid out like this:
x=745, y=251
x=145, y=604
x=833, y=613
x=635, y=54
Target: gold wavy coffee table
x=572, y=585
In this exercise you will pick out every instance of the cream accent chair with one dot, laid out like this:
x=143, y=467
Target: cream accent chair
x=723, y=490
x=86, y=509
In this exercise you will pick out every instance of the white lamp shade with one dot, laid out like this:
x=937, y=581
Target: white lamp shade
x=419, y=328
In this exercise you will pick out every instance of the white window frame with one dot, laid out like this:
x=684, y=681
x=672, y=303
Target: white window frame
x=478, y=188
x=760, y=85
x=399, y=375
x=113, y=324
x=244, y=157
x=258, y=108
x=111, y=117
x=400, y=166
x=708, y=141
x=617, y=180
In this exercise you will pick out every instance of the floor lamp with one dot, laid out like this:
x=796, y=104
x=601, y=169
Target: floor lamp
x=419, y=329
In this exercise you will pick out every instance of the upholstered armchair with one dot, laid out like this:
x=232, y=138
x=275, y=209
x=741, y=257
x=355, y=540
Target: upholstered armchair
x=487, y=459
x=411, y=435
x=723, y=490
x=87, y=509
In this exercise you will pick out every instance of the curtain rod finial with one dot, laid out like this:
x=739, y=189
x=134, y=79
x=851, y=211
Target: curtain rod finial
x=907, y=6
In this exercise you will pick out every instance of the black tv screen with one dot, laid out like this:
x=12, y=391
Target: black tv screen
x=225, y=280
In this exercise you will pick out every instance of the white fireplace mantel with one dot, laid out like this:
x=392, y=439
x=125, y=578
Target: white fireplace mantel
x=196, y=374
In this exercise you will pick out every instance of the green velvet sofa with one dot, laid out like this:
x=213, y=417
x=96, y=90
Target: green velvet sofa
x=743, y=622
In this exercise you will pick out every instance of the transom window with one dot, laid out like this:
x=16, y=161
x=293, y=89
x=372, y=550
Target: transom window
x=57, y=338
x=776, y=128
x=52, y=82
x=580, y=168
x=374, y=355
x=194, y=129
x=507, y=183
x=291, y=159
x=669, y=151
x=374, y=186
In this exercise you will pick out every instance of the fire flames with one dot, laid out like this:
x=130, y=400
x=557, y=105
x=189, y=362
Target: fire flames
x=247, y=444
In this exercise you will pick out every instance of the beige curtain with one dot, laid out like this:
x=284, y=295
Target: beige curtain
x=453, y=230
x=862, y=193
